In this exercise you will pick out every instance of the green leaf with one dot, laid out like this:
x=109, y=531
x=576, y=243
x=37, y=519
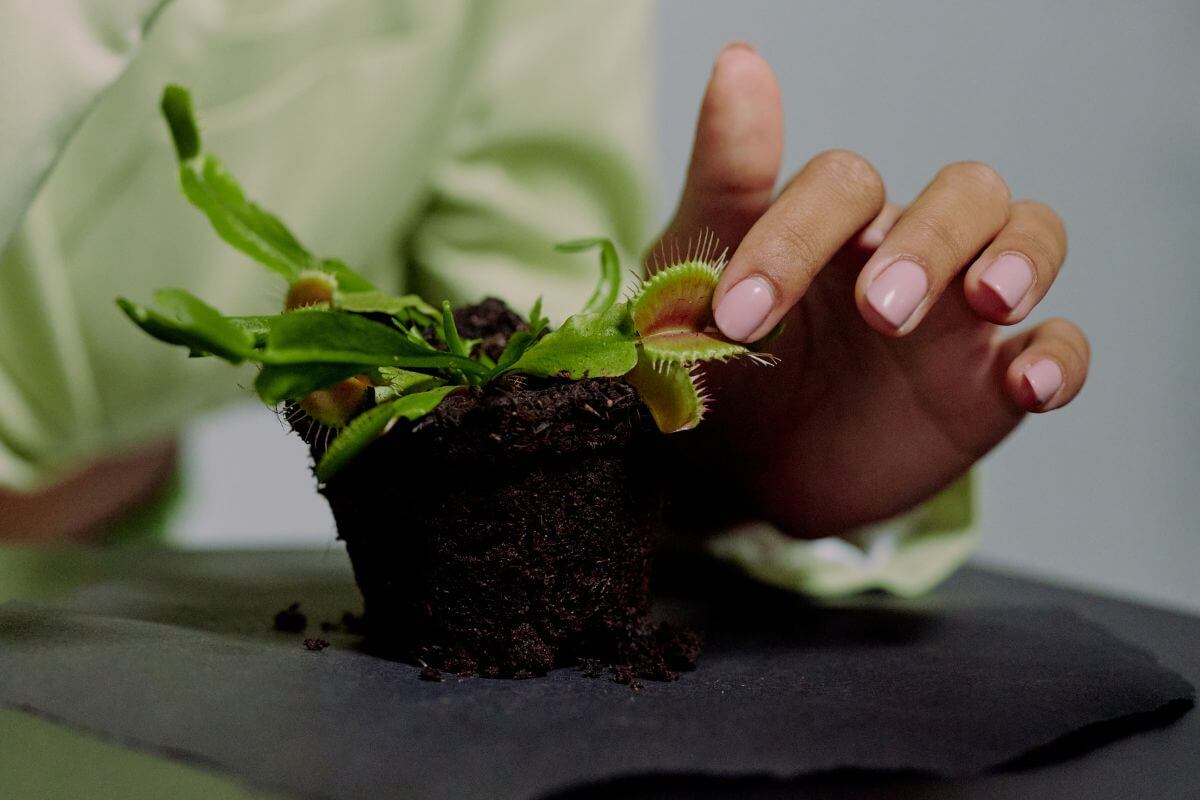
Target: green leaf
x=248, y=227
x=258, y=327
x=347, y=279
x=335, y=337
x=671, y=393
x=399, y=382
x=517, y=344
x=225, y=338
x=278, y=382
x=403, y=307
x=177, y=108
x=690, y=347
x=672, y=313
x=240, y=222
x=537, y=322
x=609, y=285
x=450, y=332
x=677, y=298
x=520, y=341
x=194, y=325
x=370, y=425
x=587, y=345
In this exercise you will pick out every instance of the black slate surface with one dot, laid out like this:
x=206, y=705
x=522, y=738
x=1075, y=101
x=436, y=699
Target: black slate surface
x=187, y=665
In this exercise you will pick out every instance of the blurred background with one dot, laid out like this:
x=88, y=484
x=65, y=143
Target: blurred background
x=1091, y=107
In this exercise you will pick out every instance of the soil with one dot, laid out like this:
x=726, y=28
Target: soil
x=349, y=623
x=511, y=530
x=291, y=620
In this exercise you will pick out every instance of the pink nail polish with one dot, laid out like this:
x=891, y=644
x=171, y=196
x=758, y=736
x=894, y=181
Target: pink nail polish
x=744, y=308
x=1044, y=379
x=1010, y=277
x=897, y=291
x=871, y=238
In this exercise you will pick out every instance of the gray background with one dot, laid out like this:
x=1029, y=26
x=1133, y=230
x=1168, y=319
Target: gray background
x=1092, y=107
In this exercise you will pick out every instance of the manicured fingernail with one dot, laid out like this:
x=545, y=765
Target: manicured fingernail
x=871, y=238
x=897, y=291
x=1043, y=378
x=744, y=308
x=1010, y=277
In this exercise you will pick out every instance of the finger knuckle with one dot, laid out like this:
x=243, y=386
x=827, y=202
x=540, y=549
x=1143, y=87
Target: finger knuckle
x=1046, y=217
x=853, y=173
x=798, y=243
x=1072, y=337
x=979, y=175
x=937, y=234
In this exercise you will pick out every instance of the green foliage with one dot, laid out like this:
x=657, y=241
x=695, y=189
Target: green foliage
x=520, y=342
x=192, y=323
x=408, y=309
x=396, y=382
x=237, y=220
x=450, y=332
x=177, y=109
x=371, y=424
x=672, y=313
x=279, y=382
x=410, y=352
x=671, y=393
x=606, y=291
x=600, y=345
x=322, y=336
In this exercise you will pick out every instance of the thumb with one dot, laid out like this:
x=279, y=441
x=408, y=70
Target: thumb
x=737, y=151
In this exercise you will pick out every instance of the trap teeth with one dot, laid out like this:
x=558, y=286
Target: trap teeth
x=311, y=288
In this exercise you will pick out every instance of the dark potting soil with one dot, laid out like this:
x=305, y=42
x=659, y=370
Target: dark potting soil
x=490, y=321
x=511, y=530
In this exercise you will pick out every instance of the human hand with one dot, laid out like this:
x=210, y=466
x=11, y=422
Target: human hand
x=894, y=377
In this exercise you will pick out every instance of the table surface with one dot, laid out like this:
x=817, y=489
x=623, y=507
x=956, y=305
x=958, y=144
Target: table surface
x=44, y=760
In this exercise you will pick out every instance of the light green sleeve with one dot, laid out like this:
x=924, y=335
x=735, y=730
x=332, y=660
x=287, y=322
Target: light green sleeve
x=906, y=556
x=443, y=146
x=552, y=141
x=56, y=58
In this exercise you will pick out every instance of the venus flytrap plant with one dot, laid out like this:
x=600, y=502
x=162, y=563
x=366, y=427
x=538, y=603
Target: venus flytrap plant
x=355, y=360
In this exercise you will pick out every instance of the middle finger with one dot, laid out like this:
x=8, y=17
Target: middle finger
x=953, y=219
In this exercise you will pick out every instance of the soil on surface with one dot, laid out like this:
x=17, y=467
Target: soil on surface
x=291, y=620
x=511, y=530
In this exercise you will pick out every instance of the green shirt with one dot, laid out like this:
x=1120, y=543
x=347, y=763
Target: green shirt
x=438, y=147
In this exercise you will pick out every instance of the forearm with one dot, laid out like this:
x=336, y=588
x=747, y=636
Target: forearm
x=81, y=505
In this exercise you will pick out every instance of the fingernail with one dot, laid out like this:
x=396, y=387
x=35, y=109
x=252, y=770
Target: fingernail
x=738, y=44
x=1043, y=378
x=871, y=238
x=897, y=291
x=744, y=308
x=1010, y=277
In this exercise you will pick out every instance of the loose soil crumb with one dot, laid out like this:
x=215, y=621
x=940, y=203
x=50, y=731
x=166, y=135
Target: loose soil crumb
x=428, y=673
x=290, y=620
x=643, y=650
x=349, y=623
x=315, y=645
